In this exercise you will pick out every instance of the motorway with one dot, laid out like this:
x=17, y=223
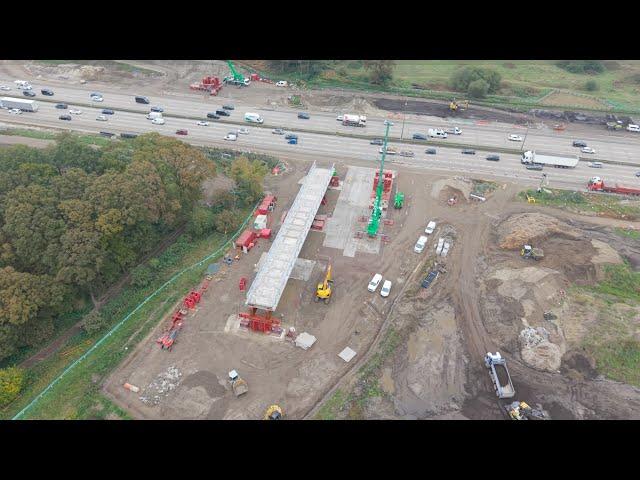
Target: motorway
x=624, y=145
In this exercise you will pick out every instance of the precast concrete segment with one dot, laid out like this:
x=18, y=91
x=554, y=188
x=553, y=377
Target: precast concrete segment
x=271, y=279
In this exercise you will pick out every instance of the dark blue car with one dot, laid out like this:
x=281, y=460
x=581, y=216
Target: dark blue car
x=107, y=111
x=430, y=278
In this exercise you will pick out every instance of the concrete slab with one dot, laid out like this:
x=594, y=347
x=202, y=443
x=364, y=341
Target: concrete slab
x=301, y=269
x=347, y=354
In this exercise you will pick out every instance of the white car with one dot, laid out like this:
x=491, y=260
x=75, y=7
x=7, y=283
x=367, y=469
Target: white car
x=4, y=87
x=281, y=83
x=515, y=138
x=419, y=246
x=231, y=137
x=340, y=118
x=431, y=226
x=243, y=131
x=75, y=112
x=375, y=281
x=158, y=121
x=15, y=111
x=26, y=87
x=202, y=123
x=587, y=150
x=95, y=98
x=386, y=288
x=102, y=118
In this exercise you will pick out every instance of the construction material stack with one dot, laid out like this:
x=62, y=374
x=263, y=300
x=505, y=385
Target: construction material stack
x=387, y=185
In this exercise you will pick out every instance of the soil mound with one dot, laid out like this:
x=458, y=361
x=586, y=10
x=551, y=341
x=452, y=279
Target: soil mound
x=531, y=228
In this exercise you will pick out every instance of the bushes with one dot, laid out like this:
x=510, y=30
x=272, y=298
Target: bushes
x=585, y=67
x=484, y=80
x=94, y=321
x=11, y=382
x=591, y=86
x=478, y=89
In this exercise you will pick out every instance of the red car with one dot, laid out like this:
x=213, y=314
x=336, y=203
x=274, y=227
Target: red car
x=182, y=132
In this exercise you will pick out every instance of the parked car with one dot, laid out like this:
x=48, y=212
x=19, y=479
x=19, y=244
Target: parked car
x=65, y=117
x=375, y=281
x=407, y=153
x=468, y=151
x=420, y=136
x=633, y=128
x=107, y=111
x=281, y=83
x=587, y=150
x=62, y=106
x=182, y=132
x=47, y=92
x=75, y=111
x=429, y=279
x=108, y=134
x=386, y=288
x=493, y=158
x=430, y=151
x=223, y=113
x=534, y=166
x=157, y=109
x=213, y=115
x=304, y=116
x=420, y=244
x=376, y=141
x=515, y=138
x=431, y=226
x=231, y=136
x=101, y=118
x=278, y=131
x=243, y=131
x=289, y=136
x=579, y=143
x=228, y=107
x=28, y=93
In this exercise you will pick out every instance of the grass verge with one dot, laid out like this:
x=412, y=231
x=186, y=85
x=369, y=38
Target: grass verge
x=49, y=135
x=628, y=232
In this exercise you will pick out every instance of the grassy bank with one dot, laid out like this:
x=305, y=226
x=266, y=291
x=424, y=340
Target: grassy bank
x=49, y=135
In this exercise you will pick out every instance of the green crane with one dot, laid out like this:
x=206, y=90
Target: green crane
x=235, y=77
x=376, y=212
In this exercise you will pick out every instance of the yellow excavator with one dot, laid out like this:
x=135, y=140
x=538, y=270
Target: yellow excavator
x=455, y=106
x=324, y=290
x=274, y=412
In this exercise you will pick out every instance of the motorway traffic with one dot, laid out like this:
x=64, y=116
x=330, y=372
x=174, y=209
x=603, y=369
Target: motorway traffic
x=614, y=146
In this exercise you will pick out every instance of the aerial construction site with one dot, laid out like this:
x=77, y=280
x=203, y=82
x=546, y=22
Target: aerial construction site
x=375, y=279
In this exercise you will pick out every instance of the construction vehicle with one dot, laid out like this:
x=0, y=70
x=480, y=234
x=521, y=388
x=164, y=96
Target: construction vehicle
x=236, y=78
x=398, y=202
x=455, y=106
x=530, y=199
x=354, y=120
x=614, y=125
x=499, y=375
x=522, y=411
x=529, y=252
x=596, y=184
x=376, y=211
x=207, y=84
x=324, y=290
x=238, y=385
x=274, y=412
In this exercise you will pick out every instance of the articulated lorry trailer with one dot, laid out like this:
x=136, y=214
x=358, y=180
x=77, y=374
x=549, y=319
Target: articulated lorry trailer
x=19, y=103
x=531, y=157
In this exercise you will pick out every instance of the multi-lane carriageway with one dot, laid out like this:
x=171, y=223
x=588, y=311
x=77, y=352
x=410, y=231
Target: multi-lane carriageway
x=320, y=140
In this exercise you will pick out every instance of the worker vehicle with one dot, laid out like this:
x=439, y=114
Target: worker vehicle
x=595, y=164
x=579, y=143
x=398, y=201
x=420, y=244
x=559, y=161
x=633, y=128
x=202, y=123
x=596, y=184
x=47, y=92
x=354, y=120
x=431, y=226
x=419, y=136
x=107, y=111
x=231, y=137
x=238, y=385
x=454, y=131
x=253, y=118
x=304, y=116
x=158, y=121
x=522, y=411
x=515, y=138
x=65, y=117
x=75, y=111
x=445, y=249
x=324, y=290
x=493, y=158
x=281, y=83
x=429, y=279
x=28, y=93
x=274, y=412
x=407, y=153
x=142, y=99
x=21, y=104
x=386, y=288
x=499, y=375
x=101, y=118
x=213, y=115
x=236, y=78
x=468, y=151
x=228, y=107
x=390, y=150
x=157, y=109
x=375, y=281
x=152, y=115
x=614, y=125
x=376, y=141
x=529, y=252
x=182, y=131
x=587, y=150
x=437, y=133
x=430, y=151
x=223, y=113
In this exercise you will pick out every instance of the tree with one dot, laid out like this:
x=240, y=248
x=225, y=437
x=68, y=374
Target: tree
x=11, y=382
x=225, y=221
x=141, y=276
x=200, y=221
x=248, y=177
x=478, y=89
x=462, y=78
x=381, y=71
x=93, y=321
x=591, y=86
x=589, y=67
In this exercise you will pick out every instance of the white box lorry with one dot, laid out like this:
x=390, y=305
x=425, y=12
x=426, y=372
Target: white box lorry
x=19, y=103
x=253, y=118
x=354, y=120
x=437, y=133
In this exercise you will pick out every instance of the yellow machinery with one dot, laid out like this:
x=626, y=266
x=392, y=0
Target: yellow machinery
x=274, y=412
x=324, y=291
x=455, y=106
x=531, y=199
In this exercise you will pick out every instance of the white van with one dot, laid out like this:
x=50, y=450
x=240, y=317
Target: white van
x=633, y=128
x=437, y=133
x=419, y=246
x=253, y=118
x=375, y=281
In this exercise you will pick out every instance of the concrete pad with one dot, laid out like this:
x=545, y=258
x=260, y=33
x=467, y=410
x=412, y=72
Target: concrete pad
x=347, y=354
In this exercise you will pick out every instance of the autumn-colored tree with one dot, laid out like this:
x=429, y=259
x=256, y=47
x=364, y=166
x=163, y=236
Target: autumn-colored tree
x=11, y=382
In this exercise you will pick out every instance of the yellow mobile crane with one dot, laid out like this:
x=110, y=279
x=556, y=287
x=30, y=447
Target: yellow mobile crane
x=324, y=291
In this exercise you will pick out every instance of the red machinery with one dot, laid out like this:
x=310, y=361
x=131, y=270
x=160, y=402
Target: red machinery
x=386, y=188
x=208, y=84
x=267, y=205
x=596, y=184
x=243, y=284
x=192, y=300
x=247, y=239
x=259, y=323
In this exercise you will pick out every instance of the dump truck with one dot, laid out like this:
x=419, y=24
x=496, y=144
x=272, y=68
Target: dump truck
x=529, y=252
x=596, y=184
x=238, y=385
x=499, y=375
x=531, y=157
x=19, y=103
x=354, y=120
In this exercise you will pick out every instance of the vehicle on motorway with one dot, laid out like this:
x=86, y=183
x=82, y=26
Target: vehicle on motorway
x=128, y=135
x=228, y=107
x=375, y=281
x=429, y=279
x=354, y=120
x=5, y=88
x=431, y=226
x=386, y=288
x=253, y=118
x=223, y=113
x=293, y=141
x=95, y=94
x=419, y=136
x=65, y=117
x=75, y=112
x=468, y=151
x=157, y=109
x=47, y=92
x=21, y=83
x=595, y=164
x=102, y=118
x=420, y=244
x=281, y=83
x=515, y=138
x=454, y=131
x=19, y=103
x=213, y=115
x=558, y=161
x=534, y=166
x=142, y=99
x=152, y=115
x=407, y=153
x=289, y=136
x=587, y=150
x=62, y=106
x=107, y=111
x=202, y=123
x=108, y=134
x=158, y=121
x=278, y=131
x=579, y=143
x=182, y=131
x=340, y=118
x=28, y=93
x=430, y=151
x=15, y=111
x=304, y=116
x=633, y=128
x=243, y=131
x=390, y=150
x=231, y=136
x=377, y=141
x=493, y=158
x=437, y=133
x=96, y=98
x=637, y=174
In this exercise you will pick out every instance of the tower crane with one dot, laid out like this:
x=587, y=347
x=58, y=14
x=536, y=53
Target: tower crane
x=376, y=212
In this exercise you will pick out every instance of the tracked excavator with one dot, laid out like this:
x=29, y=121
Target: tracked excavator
x=324, y=290
x=274, y=412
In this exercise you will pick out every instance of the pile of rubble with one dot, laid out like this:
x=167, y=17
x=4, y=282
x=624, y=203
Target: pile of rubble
x=163, y=384
x=537, y=351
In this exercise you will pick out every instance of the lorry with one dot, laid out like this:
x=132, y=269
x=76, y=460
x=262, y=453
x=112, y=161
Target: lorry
x=19, y=103
x=596, y=184
x=499, y=375
x=437, y=133
x=253, y=118
x=238, y=385
x=152, y=115
x=354, y=120
x=531, y=157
